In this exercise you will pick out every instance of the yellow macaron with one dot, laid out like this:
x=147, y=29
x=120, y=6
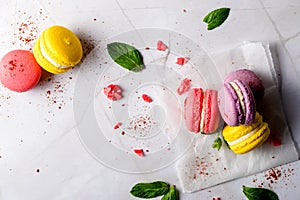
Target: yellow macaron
x=242, y=139
x=57, y=50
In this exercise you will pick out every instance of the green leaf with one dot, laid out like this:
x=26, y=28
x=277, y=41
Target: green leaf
x=126, y=56
x=150, y=190
x=259, y=193
x=172, y=194
x=216, y=17
x=217, y=143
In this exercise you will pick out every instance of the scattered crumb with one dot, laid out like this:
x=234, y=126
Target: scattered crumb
x=184, y=86
x=139, y=152
x=113, y=92
x=182, y=60
x=161, y=46
x=117, y=125
x=146, y=98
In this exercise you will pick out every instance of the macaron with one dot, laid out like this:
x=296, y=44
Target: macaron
x=236, y=103
x=57, y=50
x=251, y=78
x=242, y=139
x=201, y=113
x=19, y=71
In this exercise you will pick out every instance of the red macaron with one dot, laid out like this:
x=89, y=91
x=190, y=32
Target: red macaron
x=19, y=71
x=201, y=111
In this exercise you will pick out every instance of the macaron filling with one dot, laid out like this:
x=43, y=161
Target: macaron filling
x=202, y=116
x=49, y=59
x=244, y=137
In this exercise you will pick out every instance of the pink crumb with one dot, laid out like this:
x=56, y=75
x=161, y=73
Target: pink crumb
x=182, y=60
x=113, y=92
x=146, y=98
x=139, y=152
x=117, y=125
x=161, y=46
x=184, y=86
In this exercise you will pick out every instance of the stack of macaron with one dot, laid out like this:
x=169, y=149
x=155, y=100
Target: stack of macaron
x=57, y=50
x=235, y=102
x=245, y=130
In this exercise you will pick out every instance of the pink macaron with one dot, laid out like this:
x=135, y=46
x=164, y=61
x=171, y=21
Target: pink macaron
x=251, y=78
x=19, y=71
x=236, y=103
x=201, y=111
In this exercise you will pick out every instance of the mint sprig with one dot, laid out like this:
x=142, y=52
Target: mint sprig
x=126, y=56
x=259, y=193
x=216, y=17
x=155, y=189
x=217, y=143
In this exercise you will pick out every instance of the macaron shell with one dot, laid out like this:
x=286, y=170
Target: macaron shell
x=251, y=78
x=44, y=63
x=233, y=133
x=249, y=101
x=254, y=141
x=19, y=71
x=229, y=105
x=212, y=114
x=192, y=109
x=62, y=45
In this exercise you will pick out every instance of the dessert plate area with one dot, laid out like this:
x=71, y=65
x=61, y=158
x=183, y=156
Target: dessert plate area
x=156, y=127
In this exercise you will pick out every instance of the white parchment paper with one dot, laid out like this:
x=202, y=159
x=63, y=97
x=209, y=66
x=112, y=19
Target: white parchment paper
x=202, y=166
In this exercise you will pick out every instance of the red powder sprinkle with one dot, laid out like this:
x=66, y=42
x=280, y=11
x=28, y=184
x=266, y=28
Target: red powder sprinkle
x=216, y=198
x=113, y=92
x=161, y=46
x=147, y=48
x=182, y=60
x=146, y=98
x=139, y=152
x=274, y=138
x=184, y=86
x=117, y=125
x=184, y=10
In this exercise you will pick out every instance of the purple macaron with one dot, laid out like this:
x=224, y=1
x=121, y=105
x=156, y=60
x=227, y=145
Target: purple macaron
x=236, y=103
x=251, y=78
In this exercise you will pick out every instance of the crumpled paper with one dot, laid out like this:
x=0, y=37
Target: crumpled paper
x=203, y=166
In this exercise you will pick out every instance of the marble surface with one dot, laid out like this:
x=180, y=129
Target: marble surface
x=42, y=156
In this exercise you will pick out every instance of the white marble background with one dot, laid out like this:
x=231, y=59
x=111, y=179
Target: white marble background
x=41, y=155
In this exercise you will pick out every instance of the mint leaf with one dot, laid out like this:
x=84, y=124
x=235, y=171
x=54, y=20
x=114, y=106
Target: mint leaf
x=217, y=143
x=172, y=194
x=150, y=190
x=259, y=193
x=216, y=17
x=126, y=56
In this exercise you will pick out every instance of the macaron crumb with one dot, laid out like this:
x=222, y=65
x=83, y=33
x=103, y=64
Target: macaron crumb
x=113, y=92
x=182, y=60
x=184, y=86
x=147, y=98
x=139, y=152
